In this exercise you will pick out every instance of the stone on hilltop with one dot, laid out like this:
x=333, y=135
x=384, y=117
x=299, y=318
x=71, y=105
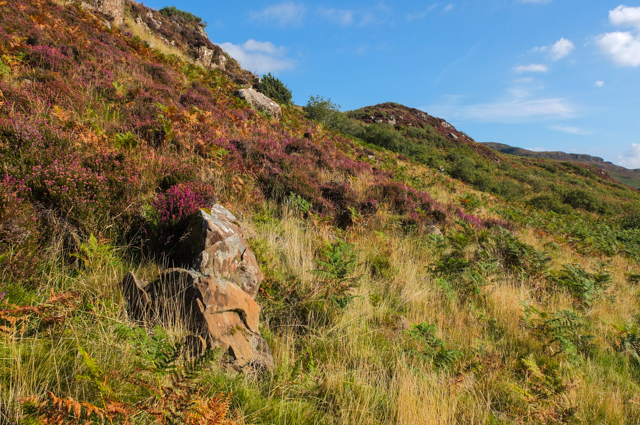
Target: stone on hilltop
x=260, y=102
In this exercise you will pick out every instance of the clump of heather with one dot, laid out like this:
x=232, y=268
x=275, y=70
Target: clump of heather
x=174, y=206
x=47, y=57
x=469, y=219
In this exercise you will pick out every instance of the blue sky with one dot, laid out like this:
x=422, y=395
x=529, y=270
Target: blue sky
x=538, y=74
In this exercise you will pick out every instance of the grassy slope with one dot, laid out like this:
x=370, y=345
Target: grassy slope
x=141, y=154
x=621, y=174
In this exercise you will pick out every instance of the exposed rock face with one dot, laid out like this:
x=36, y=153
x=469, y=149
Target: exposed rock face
x=261, y=102
x=214, y=245
x=214, y=298
x=113, y=8
x=207, y=58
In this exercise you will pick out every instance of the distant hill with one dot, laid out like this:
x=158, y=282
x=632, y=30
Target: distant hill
x=621, y=174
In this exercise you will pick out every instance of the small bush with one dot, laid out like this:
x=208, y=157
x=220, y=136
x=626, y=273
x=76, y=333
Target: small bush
x=562, y=332
x=336, y=269
x=170, y=11
x=432, y=347
x=275, y=89
x=584, y=286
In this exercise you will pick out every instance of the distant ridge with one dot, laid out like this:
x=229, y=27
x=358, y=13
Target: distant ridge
x=623, y=175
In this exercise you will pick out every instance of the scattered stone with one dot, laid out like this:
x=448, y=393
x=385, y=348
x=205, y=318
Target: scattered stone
x=446, y=124
x=402, y=323
x=260, y=102
x=433, y=230
x=453, y=136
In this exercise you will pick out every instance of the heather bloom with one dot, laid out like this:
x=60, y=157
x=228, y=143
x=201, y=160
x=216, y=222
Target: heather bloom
x=180, y=201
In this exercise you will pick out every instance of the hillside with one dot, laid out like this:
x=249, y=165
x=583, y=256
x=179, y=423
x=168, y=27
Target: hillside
x=621, y=174
x=386, y=268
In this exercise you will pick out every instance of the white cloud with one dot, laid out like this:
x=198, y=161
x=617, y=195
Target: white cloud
x=260, y=57
x=341, y=17
x=448, y=8
x=285, y=14
x=625, y=16
x=631, y=158
x=570, y=130
x=517, y=106
x=622, y=47
x=599, y=83
x=520, y=109
x=535, y=1
x=560, y=49
x=531, y=68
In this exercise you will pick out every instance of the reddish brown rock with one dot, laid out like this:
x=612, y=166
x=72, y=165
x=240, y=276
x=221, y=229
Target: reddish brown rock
x=213, y=299
x=214, y=245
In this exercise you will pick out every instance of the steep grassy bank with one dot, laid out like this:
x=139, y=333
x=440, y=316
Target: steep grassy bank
x=522, y=311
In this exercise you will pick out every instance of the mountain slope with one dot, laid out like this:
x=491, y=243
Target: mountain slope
x=621, y=174
x=411, y=274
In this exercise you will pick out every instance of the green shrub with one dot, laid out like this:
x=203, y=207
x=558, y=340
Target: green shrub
x=275, y=89
x=549, y=202
x=169, y=11
x=584, y=286
x=432, y=347
x=328, y=113
x=336, y=269
x=561, y=332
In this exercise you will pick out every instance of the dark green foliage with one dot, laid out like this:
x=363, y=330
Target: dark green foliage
x=169, y=11
x=432, y=347
x=519, y=257
x=275, y=89
x=588, y=201
x=560, y=332
x=549, y=202
x=584, y=286
x=336, y=269
x=328, y=113
x=627, y=339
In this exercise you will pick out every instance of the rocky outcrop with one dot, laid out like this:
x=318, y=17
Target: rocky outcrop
x=209, y=58
x=260, y=102
x=211, y=294
x=112, y=8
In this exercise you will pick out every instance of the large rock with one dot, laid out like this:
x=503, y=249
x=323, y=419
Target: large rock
x=212, y=309
x=260, y=102
x=212, y=295
x=214, y=245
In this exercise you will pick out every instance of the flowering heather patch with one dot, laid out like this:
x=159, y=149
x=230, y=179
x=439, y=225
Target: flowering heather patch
x=470, y=219
x=47, y=57
x=402, y=199
x=339, y=194
x=180, y=201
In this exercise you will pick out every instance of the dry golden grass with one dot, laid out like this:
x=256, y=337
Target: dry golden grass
x=153, y=40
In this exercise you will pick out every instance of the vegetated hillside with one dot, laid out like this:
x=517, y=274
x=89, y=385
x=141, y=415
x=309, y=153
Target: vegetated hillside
x=410, y=276
x=621, y=174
